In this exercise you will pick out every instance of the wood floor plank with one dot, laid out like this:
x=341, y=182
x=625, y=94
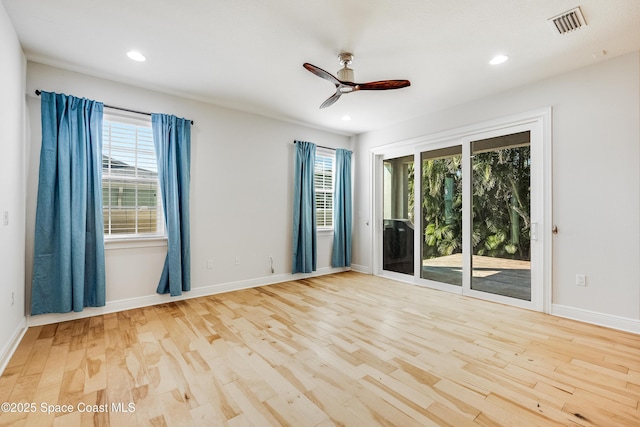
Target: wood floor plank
x=148, y=410
x=345, y=349
x=332, y=402
x=249, y=407
x=22, y=352
x=8, y=381
x=37, y=359
x=175, y=409
x=444, y=416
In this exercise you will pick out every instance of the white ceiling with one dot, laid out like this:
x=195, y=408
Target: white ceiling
x=248, y=54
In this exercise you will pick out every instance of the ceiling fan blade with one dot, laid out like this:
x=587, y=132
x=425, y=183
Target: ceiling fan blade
x=348, y=86
x=384, y=85
x=321, y=73
x=331, y=100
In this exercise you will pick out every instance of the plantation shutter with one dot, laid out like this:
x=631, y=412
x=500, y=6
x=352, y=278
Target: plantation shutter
x=323, y=181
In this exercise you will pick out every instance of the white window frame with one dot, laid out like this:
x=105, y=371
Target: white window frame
x=160, y=233
x=325, y=154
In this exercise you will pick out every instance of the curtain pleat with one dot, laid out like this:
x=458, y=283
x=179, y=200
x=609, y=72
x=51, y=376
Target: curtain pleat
x=68, y=265
x=304, y=210
x=172, y=141
x=342, y=210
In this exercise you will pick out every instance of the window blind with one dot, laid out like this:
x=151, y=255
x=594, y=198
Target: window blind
x=130, y=192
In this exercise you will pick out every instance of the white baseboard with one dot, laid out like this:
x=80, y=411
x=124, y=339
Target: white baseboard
x=10, y=347
x=155, y=299
x=600, y=319
x=365, y=269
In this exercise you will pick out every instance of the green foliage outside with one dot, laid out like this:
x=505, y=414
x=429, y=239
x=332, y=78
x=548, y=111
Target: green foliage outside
x=501, y=204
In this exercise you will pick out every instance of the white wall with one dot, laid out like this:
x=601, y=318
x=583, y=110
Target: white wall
x=241, y=193
x=12, y=187
x=596, y=182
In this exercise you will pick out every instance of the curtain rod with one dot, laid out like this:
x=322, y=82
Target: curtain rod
x=320, y=146
x=38, y=92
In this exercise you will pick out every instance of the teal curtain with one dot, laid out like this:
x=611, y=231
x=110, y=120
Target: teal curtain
x=304, y=209
x=68, y=264
x=172, y=142
x=342, y=216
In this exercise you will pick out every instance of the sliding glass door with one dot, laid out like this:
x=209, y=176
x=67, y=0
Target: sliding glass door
x=501, y=215
x=461, y=215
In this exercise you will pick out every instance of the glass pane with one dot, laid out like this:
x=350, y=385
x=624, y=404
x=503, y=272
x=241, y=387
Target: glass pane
x=442, y=215
x=501, y=216
x=398, y=208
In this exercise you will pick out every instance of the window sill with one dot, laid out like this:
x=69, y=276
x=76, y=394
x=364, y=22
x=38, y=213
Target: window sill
x=134, y=242
x=324, y=231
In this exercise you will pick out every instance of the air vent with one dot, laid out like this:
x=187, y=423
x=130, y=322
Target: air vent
x=568, y=21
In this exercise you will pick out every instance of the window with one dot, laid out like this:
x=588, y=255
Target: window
x=130, y=192
x=323, y=181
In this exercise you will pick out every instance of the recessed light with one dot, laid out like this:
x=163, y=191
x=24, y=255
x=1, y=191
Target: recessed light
x=136, y=56
x=346, y=117
x=498, y=59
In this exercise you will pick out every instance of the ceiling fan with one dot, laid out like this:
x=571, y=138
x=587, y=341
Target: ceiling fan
x=344, y=82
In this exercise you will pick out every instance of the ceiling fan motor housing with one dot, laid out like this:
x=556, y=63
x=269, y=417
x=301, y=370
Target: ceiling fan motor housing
x=345, y=73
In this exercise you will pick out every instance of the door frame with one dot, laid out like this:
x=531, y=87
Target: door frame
x=539, y=123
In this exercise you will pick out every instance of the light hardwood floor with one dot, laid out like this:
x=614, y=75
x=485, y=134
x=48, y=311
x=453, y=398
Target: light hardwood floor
x=346, y=349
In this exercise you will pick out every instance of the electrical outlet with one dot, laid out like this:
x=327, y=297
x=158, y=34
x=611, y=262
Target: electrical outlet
x=210, y=264
x=13, y=299
x=5, y=217
x=581, y=280
x=237, y=260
